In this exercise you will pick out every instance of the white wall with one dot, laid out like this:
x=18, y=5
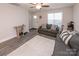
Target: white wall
x=76, y=16
x=11, y=16
x=67, y=15
x=38, y=22
x=30, y=20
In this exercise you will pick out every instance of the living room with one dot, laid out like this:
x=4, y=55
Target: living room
x=14, y=15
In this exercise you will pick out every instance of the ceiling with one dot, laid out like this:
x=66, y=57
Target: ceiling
x=52, y=6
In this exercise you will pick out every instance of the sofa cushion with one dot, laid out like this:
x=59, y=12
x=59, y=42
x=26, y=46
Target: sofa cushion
x=74, y=42
x=48, y=31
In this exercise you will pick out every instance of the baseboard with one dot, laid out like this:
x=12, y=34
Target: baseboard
x=8, y=38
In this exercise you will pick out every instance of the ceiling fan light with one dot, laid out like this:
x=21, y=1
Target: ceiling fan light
x=34, y=3
x=38, y=6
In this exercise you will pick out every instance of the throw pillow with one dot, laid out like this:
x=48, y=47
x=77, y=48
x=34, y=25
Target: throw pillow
x=65, y=36
x=48, y=26
x=67, y=39
x=63, y=33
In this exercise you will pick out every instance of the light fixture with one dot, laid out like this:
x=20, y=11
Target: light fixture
x=34, y=3
x=35, y=17
x=38, y=6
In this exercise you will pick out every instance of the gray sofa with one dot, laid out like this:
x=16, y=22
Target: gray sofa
x=72, y=49
x=48, y=30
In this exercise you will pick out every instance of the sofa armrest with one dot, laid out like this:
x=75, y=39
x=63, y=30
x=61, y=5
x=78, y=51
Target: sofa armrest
x=61, y=49
x=40, y=27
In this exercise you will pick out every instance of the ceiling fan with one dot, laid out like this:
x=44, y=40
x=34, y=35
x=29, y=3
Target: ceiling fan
x=39, y=5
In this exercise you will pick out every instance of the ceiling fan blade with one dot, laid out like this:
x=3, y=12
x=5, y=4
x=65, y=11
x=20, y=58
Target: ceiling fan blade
x=45, y=6
x=32, y=7
x=33, y=3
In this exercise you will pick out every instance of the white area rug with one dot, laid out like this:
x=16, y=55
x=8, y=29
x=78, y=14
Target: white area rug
x=37, y=46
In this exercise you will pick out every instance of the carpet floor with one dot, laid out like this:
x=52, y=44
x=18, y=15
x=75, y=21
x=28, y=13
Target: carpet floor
x=13, y=44
x=37, y=46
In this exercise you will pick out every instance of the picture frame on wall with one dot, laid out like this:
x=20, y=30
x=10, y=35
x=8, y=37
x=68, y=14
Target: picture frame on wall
x=40, y=17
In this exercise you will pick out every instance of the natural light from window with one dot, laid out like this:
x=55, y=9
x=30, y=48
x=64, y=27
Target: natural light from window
x=55, y=18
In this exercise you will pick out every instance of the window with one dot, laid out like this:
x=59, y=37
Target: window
x=55, y=18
